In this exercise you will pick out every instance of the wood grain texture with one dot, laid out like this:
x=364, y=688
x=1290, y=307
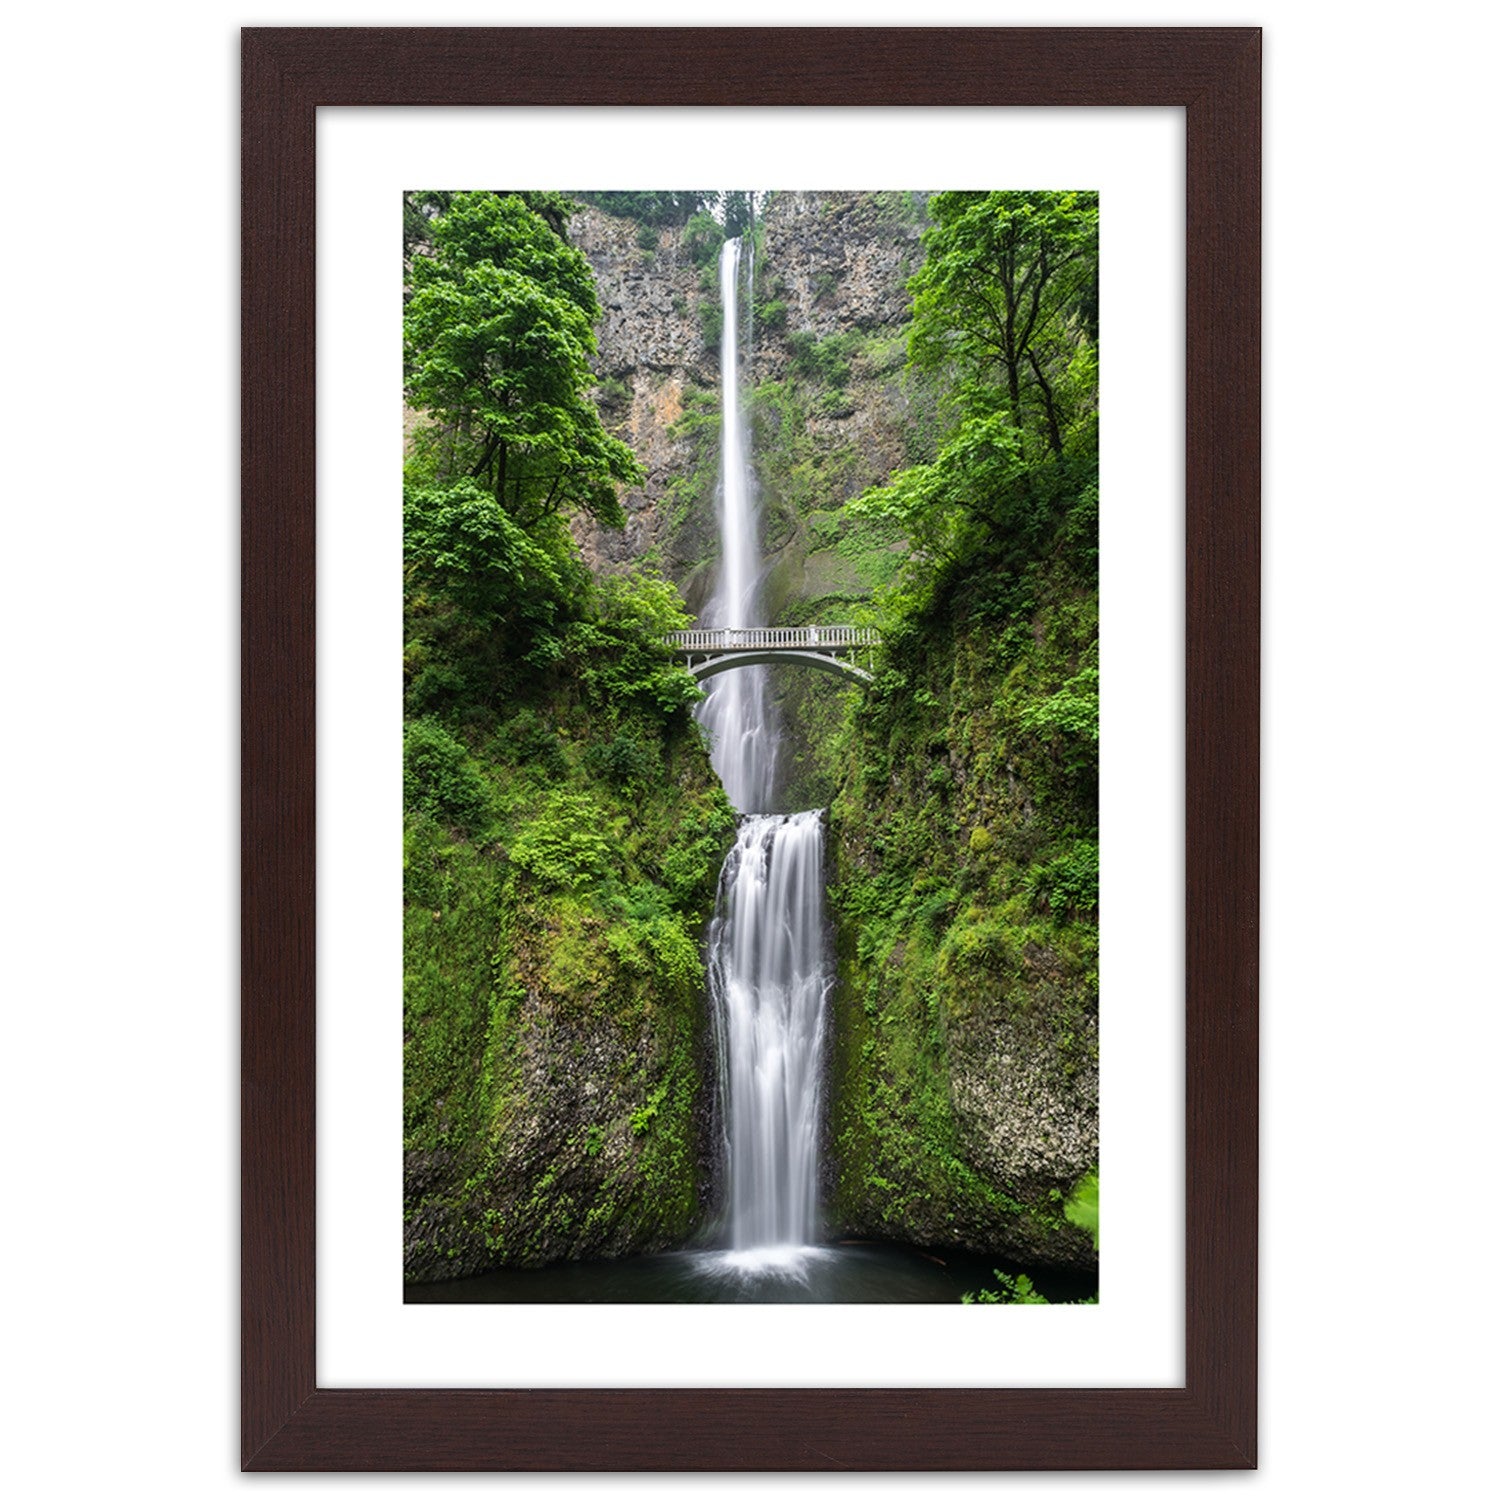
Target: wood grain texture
x=1223, y=741
x=278, y=831
x=289, y=1424
x=715, y=1430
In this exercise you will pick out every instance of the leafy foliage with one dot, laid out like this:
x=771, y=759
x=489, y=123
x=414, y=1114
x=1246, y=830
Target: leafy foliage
x=1002, y=302
x=738, y=210
x=658, y=209
x=770, y=315
x=562, y=846
x=620, y=655
x=1001, y=318
x=625, y=761
x=1082, y=1207
x=702, y=237
x=564, y=829
x=1012, y=1290
x=439, y=777
x=462, y=543
x=826, y=360
x=949, y=508
x=1067, y=721
x=967, y=825
x=1068, y=883
x=499, y=333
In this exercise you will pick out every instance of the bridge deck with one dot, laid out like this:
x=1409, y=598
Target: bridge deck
x=830, y=639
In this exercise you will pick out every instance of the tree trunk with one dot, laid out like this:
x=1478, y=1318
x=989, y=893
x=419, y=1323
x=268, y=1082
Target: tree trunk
x=1049, y=405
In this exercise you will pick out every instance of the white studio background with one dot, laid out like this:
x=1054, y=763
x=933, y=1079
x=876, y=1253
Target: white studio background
x=121, y=740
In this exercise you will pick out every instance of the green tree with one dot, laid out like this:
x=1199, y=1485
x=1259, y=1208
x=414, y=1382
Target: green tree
x=499, y=334
x=702, y=237
x=1005, y=301
x=620, y=652
x=651, y=208
x=421, y=206
x=1002, y=319
x=739, y=212
x=418, y=209
x=953, y=506
x=470, y=551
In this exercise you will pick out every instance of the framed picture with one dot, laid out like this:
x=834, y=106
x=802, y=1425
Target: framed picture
x=786, y=1404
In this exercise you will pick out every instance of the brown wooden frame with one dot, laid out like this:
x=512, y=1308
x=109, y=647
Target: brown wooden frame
x=287, y=1421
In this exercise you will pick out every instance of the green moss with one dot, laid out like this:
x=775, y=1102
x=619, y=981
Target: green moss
x=1082, y=1207
x=554, y=1015
x=689, y=499
x=965, y=900
x=710, y=323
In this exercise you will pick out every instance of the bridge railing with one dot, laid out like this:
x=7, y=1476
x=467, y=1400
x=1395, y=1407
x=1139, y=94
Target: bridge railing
x=775, y=637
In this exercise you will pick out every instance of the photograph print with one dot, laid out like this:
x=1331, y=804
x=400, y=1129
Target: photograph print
x=751, y=746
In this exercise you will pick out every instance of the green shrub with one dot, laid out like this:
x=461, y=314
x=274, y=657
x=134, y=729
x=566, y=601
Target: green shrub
x=526, y=739
x=1067, y=884
x=702, y=237
x=623, y=761
x=978, y=943
x=439, y=778
x=1013, y=1290
x=824, y=283
x=1082, y=1207
x=564, y=846
x=435, y=687
x=825, y=361
x=689, y=865
x=650, y=208
x=612, y=394
x=771, y=316
x=1072, y=710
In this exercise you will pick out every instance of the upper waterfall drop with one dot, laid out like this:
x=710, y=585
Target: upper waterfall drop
x=737, y=712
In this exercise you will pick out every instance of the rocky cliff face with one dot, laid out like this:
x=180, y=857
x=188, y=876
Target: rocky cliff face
x=831, y=411
x=838, y=261
x=652, y=354
x=825, y=345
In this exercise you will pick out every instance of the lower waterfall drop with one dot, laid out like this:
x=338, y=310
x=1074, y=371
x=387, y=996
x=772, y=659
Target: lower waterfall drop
x=769, y=979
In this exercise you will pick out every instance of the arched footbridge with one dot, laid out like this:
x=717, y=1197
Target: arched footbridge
x=828, y=648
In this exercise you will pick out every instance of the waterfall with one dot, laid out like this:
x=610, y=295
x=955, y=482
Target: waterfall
x=768, y=979
x=768, y=971
x=737, y=714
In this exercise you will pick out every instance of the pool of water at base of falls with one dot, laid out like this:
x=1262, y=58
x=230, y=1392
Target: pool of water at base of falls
x=864, y=1271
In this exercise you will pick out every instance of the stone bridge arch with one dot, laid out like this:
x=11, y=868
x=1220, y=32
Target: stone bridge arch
x=824, y=648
